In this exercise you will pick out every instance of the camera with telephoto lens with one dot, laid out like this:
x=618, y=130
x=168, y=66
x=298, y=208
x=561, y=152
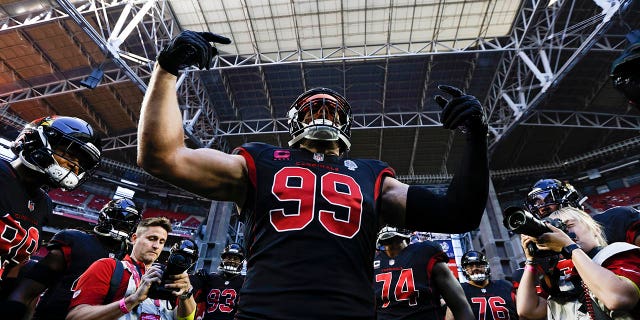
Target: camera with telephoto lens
x=181, y=257
x=521, y=221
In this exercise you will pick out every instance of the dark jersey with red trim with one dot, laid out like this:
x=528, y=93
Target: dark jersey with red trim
x=310, y=228
x=216, y=295
x=22, y=213
x=621, y=224
x=80, y=250
x=496, y=301
x=404, y=286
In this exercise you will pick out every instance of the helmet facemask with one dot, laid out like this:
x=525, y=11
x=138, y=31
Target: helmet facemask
x=321, y=115
x=118, y=219
x=475, y=267
x=481, y=275
x=548, y=192
x=232, y=259
x=65, y=156
x=388, y=235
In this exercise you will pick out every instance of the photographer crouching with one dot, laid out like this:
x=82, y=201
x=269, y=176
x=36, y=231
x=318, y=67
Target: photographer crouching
x=136, y=287
x=596, y=281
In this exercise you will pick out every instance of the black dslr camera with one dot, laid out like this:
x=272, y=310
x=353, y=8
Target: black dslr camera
x=521, y=221
x=181, y=258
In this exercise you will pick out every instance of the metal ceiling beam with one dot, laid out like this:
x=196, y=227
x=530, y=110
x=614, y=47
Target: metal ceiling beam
x=525, y=77
x=572, y=119
x=432, y=119
x=111, y=77
x=53, y=14
x=199, y=117
x=107, y=47
x=611, y=43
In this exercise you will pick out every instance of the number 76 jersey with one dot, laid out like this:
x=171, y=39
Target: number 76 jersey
x=310, y=228
x=496, y=301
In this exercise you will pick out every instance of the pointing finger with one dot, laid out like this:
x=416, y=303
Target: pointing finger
x=440, y=100
x=212, y=37
x=455, y=92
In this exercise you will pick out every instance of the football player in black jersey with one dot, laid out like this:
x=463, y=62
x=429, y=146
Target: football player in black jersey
x=411, y=278
x=311, y=212
x=58, y=152
x=70, y=253
x=217, y=293
x=489, y=299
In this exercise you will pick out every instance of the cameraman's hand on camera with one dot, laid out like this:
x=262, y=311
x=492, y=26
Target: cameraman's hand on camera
x=179, y=283
x=554, y=240
x=524, y=241
x=190, y=48
x=151, y=276
x=462, y=111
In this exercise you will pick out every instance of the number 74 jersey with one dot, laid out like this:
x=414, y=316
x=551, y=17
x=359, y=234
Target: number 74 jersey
x=404, y=285
x=310, y=228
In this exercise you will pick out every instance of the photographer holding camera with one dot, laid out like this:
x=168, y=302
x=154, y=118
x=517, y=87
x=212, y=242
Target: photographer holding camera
x=605, y=278
x=94, y=298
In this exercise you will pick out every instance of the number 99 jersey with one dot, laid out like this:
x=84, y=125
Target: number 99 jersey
x=311, y=221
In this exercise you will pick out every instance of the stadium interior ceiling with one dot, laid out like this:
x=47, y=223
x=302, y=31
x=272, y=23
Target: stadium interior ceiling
x=540, y=68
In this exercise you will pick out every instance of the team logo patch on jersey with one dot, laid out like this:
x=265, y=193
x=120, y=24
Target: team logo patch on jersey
x=31, y=205
x=350, y=165
x=319, y=157
x=281, y=155
x=392, y=262
x=376, y=264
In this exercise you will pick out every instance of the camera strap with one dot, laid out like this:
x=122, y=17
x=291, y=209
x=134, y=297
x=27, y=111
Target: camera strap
x=136, y=274
x=116, y=278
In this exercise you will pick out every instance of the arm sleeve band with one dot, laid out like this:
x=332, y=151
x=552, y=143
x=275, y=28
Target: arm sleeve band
x=464, y=201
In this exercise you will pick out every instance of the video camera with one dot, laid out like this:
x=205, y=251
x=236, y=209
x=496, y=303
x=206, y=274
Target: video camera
x=181, y=257
x=521, y=221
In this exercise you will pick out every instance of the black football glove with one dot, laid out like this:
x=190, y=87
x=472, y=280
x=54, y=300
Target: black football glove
x=190, y=48
x=462, y=111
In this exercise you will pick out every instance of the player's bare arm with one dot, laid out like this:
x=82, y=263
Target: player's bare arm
x=161, y=149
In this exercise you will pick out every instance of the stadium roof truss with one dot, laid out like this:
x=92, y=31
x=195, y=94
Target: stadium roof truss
x=532, y=45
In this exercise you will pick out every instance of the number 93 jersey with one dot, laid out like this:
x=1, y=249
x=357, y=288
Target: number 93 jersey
x=310, y=228
x=404, y=286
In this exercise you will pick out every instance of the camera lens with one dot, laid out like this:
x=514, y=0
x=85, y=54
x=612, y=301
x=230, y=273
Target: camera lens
x=516, y=220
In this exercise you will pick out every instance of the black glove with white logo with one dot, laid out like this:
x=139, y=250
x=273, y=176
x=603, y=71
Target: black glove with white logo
x=190, y=48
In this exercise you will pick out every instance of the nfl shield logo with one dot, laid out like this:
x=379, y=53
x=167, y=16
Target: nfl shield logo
x=350, y=165
x=319, y=157
x=31, y=205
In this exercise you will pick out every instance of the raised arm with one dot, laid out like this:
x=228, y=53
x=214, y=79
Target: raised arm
x=416, y=208
x=161, y=149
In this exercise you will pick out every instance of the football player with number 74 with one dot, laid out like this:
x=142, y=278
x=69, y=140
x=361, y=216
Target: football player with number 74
x=312, y=213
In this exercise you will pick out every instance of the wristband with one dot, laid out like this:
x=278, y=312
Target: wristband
x=568, y=250
x=530, y=262
x=123, y=307
x=530, y=268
